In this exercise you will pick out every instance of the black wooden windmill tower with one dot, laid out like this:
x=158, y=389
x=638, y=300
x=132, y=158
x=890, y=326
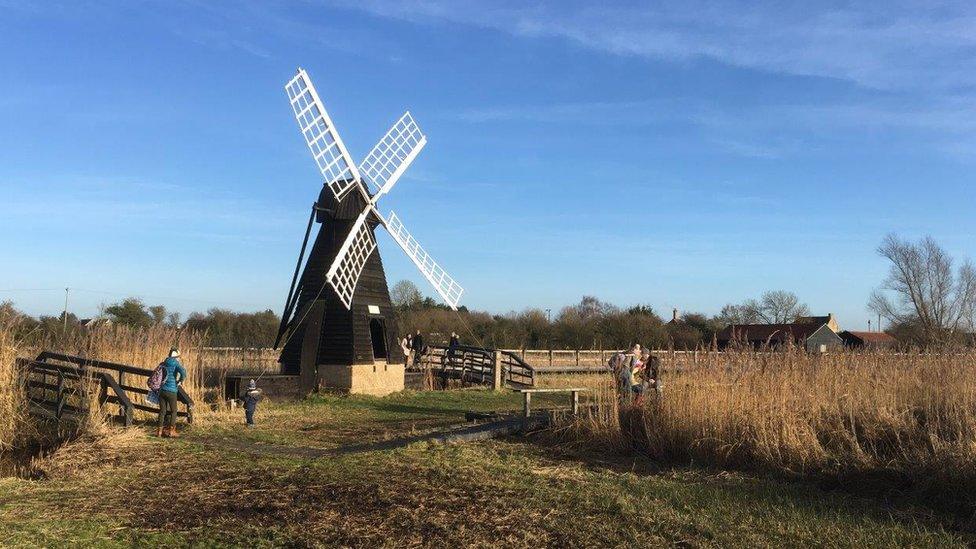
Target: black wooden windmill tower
x=338, y=329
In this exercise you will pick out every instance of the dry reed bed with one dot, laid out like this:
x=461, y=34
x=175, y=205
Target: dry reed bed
x=142, y=347
x=794, y=413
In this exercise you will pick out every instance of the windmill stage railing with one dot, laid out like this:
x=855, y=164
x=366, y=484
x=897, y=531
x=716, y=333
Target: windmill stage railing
x=476, y=365
x=60, y=385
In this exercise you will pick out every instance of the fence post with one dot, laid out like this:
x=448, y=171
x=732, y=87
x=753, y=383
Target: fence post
x=550, y=358
x=577, y=358
x=60, y=402
x=498, y=381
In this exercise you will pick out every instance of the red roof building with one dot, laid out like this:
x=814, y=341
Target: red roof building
x=868, y=340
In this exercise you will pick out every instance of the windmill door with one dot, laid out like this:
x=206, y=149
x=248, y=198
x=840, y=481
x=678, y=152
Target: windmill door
x=377, y=333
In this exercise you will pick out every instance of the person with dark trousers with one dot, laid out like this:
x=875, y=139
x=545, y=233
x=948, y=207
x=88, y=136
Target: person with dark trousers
x=175, y=374
x=452, y=347
x=417, y=344
x=252, y=395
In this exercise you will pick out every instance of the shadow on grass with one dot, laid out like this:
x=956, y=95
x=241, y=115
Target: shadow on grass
x=934, y=503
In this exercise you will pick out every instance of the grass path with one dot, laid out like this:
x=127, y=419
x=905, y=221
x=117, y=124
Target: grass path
x=212, y=489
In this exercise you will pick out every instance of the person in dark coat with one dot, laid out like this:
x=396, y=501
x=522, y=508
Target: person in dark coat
x=252, y=395
x=417, y=344
x=452, y=347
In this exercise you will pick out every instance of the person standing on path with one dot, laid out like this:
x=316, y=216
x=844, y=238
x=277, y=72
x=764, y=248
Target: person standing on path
x=251, y=397
x=418, y=347
x=175, y=374
x=405, y=345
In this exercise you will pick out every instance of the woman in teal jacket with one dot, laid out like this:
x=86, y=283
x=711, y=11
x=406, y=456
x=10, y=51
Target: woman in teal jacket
x=175, y=374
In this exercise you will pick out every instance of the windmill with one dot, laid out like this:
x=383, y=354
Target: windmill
x=338, y=327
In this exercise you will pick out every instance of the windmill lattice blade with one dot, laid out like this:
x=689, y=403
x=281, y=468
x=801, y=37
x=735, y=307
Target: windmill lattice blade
x=343, y=274
x=323, y=140
x=384, y=165
x=445, y=285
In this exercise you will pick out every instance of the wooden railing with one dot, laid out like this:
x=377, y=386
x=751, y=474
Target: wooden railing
x=478, y=365
x=59, y=384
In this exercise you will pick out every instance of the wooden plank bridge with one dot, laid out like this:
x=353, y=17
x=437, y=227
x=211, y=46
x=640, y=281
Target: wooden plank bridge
x=60, y=386
x=476, y=365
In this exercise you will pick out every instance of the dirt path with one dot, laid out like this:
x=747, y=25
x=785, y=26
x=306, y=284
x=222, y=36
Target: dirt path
x=457, y=433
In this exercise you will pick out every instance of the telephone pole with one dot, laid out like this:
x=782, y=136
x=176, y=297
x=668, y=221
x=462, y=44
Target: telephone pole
x=64, y=315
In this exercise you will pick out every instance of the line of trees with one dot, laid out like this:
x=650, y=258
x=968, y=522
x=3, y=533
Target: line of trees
x=224, y=328
x=589, y=324
x=926, y=298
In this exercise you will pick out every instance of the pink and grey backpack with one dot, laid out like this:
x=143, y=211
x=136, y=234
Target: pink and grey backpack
x=157, y=377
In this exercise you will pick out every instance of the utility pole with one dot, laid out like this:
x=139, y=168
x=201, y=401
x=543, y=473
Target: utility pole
x=879, y=322
x=869, y=324
x=64, y=328
x=549, y=316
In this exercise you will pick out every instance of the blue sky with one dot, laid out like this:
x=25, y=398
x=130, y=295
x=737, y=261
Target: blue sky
x=685, y=155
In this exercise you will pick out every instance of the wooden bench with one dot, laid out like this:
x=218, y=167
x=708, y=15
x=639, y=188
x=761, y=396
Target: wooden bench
x=527, y=397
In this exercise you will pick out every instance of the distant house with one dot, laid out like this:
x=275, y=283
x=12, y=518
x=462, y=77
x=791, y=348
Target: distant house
x=823, y=340
x=675, y=318
x=93, y=322
x=815, y=334
x=830, y=320
x=868, y=340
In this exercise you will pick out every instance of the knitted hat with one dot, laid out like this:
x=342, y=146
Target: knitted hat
x=252, y=384
x=174, y=352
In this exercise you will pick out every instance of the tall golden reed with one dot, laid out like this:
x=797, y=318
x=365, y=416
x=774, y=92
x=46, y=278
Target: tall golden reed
x=15, y=428
x=800, y=413
x=141, y=347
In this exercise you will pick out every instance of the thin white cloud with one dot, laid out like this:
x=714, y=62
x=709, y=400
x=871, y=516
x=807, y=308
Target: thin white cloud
x=890, y=45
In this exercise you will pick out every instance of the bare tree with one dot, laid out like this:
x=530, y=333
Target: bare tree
x=738, y=314
x=774, y=307
x=922, y=288
x=405, y=294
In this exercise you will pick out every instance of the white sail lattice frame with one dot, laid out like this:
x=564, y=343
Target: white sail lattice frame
x=343, y=274
x=448, y=289
x=330, y=153
x=384, y=165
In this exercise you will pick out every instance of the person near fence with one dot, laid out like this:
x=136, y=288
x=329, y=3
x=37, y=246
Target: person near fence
x=252, y=395
x=175, y=374
x=417, y=344
x=643, y=376
x=405, y=347
x=625, y=373
x=452, y=347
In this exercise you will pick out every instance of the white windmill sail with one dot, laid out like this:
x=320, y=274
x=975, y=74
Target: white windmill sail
x=448, y=289
x=344, y=272
x=384, y=165
x=323, y=140
x=381, y=168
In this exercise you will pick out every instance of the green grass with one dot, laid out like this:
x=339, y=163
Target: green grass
x=499, y=493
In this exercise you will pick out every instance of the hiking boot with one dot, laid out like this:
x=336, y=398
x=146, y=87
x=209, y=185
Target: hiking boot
x=159, y=432
x=173, y=433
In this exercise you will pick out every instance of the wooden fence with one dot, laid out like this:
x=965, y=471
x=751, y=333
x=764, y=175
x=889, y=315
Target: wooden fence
x=59, y=384
x=245, y=361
